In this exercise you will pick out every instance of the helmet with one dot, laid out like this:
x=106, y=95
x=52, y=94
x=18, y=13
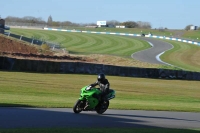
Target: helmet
x=101, y=77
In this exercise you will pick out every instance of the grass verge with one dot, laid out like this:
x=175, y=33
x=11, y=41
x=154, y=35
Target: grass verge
x=62, y=90
x=183, y=55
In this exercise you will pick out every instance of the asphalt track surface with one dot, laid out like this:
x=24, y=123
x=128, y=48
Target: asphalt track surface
x=151, y=55
x=14, y=117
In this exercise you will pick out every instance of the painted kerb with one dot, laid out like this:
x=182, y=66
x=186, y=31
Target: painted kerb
x=127, y=34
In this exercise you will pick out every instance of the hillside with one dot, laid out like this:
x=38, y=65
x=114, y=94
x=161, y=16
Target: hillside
x=11, y=47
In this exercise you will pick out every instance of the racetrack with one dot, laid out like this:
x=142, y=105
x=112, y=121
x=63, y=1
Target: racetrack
x=64, y=117
x=107, y=44
x=151, y=55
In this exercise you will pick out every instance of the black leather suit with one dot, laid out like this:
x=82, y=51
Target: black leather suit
x=103, y=86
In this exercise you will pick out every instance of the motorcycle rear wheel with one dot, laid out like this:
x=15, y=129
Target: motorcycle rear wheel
x=77, y=107
x=102, y=107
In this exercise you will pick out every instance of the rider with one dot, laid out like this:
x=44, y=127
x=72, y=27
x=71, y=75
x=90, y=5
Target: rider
x=103, y=84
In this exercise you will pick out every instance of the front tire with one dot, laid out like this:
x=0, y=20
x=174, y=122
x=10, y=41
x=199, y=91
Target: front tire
x=102, y=107
x=77, y=107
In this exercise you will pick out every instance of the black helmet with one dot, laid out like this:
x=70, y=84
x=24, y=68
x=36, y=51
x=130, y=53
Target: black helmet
x=101, y=77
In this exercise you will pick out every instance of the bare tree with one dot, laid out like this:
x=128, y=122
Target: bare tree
x=12, y=19
x=130, y=24
x=188, y=27
x=145, y=25
x=113, y=22
x=33, y=20
x=26, y=19
x=50, y=21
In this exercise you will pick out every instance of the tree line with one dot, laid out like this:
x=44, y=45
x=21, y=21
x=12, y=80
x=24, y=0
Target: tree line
x=51, y=23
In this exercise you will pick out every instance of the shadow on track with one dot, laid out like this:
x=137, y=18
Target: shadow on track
x=152, y=117
x=21, y=117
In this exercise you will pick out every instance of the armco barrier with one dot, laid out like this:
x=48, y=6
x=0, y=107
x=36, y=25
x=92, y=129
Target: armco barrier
x=127, y=34
x=33, y=40
x=26, y=39
x=12, y=64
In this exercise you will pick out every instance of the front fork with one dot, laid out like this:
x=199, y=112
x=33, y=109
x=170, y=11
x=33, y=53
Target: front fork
x=83, y=103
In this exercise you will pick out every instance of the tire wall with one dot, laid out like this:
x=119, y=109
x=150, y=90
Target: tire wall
x=21, y=65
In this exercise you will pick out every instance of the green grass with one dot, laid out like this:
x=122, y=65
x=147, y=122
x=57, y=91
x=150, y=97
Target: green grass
x=83, y=43
x=183, y=55
x=99, y=130
x=62, y=90
x=170, y=33
x=192, y=35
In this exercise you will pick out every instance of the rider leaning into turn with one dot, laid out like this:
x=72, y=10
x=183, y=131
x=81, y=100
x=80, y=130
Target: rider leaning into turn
x=103, y=84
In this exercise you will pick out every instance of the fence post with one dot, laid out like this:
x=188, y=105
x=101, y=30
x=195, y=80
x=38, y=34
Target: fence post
x=32, y=41
x=21, y=37
x=9, y=34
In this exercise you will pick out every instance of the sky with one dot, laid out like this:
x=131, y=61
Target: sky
x=172, y=14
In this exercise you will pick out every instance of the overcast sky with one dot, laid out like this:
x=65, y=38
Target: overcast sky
x=173, y=14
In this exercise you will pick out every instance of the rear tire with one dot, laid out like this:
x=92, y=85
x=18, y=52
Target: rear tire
x=102, y=107
x=77, y=107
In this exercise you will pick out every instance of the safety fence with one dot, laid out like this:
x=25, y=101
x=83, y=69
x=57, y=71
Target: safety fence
x=127, y=34
x=88, y=68
x=41, y=66
x=34, y=40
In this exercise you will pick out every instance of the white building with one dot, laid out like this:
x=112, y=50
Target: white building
x=101, y=23
x=193, y=27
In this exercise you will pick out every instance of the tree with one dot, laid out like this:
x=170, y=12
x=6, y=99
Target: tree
x=130, y=24
x=145, y=25
x=50, y=21
x=188, y=27
x=26, y=19
x=113, y=22
x=12, y=19
x=55, y=24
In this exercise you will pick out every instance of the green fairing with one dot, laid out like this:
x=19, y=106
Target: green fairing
x=89, y=100
x=88, y=95
x=111, y=93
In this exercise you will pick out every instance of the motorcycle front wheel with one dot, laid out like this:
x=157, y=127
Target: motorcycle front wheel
x=102, y=107
x=77, y=107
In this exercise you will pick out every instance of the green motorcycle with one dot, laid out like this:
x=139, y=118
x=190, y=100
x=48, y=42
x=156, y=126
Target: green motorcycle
x=89, y=100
